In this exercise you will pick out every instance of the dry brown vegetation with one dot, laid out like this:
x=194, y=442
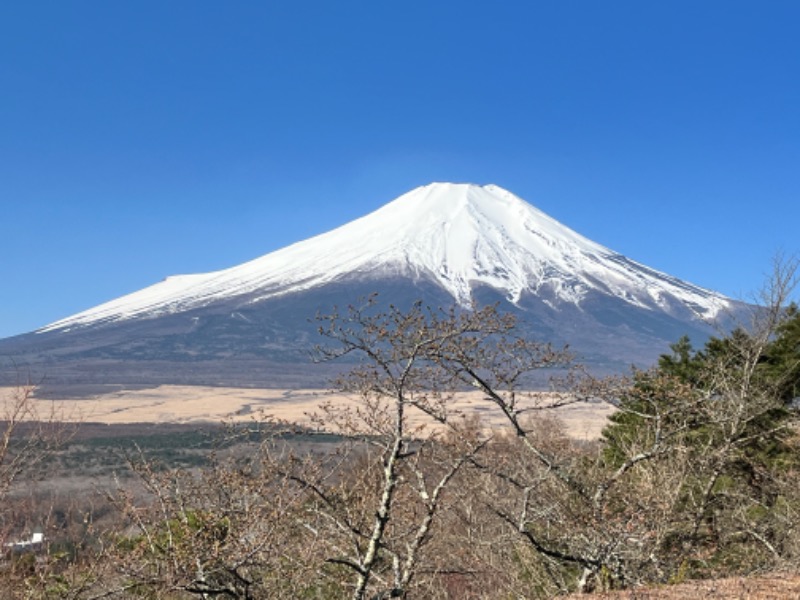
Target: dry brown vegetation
x=778, y=586
x=201, y=405
x=407, y=495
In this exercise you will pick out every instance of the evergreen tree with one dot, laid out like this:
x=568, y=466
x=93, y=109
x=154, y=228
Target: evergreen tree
x=782, y=359
x=724, y=411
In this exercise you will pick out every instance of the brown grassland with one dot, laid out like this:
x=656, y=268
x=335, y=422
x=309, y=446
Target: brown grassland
x=203, y=405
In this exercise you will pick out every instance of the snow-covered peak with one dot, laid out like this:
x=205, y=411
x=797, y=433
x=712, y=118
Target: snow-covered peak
x=458, y=235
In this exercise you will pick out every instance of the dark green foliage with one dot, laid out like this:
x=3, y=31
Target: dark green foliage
x=680, y=391
x=782, y=358
x=683, y=363
x=723, y=414
x=656, y=409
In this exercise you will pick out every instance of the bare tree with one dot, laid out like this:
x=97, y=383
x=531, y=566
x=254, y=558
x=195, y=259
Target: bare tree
x=414, y=361
x=28, y=435
x=689, y=467
x=231, y=529
x=696, y=473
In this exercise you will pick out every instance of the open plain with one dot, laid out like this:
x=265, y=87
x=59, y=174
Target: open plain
x=175, y=404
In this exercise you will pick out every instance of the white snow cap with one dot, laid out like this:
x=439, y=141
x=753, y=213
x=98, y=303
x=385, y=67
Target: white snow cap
x=459, y=235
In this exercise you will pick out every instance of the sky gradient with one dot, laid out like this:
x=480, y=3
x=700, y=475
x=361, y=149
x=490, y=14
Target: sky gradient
x=145, y=139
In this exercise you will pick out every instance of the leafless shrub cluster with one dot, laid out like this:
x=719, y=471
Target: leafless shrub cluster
x=696, y=475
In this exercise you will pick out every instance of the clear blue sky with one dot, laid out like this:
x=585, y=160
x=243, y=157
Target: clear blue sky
x=149, y=138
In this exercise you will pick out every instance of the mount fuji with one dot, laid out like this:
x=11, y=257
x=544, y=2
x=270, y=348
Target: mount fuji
x=443, y=243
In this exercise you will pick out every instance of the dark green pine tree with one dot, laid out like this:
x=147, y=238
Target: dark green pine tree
x=727, y=411
x=782, y=359
x=672, y=390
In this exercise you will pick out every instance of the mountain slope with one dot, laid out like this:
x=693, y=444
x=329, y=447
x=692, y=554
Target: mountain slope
x=458, y=235
x=445, y=243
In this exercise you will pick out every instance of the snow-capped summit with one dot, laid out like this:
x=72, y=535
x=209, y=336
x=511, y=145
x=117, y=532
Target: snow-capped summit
x=443, y=243
x=459, y=236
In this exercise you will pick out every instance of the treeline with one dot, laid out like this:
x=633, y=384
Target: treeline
x=695, y=476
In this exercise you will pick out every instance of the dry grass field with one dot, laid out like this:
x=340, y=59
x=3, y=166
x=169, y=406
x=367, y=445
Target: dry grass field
x=196, y=404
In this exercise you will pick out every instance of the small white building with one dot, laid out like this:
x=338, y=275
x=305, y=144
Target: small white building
x=36, y=540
